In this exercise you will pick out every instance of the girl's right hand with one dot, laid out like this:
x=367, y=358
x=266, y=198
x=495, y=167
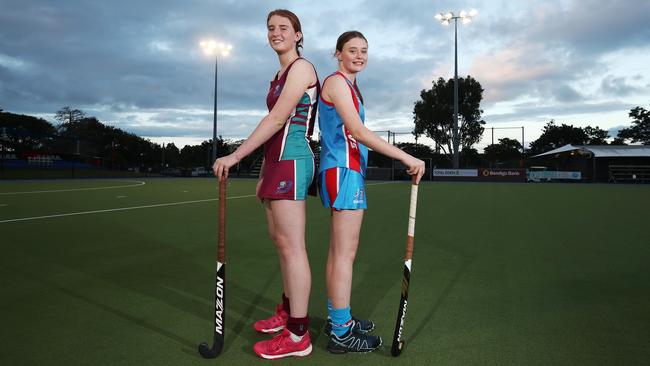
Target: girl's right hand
x=221, y=166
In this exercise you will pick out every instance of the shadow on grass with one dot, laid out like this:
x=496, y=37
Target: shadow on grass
x=237, y=297
x=245, y=315
x=238, y=294
x=466, y=261
x=117, y=312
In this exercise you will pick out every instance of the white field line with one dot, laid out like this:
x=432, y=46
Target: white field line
x=118, y=209
x=138, y=207
x=382, y=183
x=137, y=184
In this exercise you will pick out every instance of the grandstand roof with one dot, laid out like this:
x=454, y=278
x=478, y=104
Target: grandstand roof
x=604, y=151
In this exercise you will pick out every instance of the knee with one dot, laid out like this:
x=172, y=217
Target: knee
x=343, y=254
x=288, y=247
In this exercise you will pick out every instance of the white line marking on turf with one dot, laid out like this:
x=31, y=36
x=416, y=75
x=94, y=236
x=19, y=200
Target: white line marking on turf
x=139, y=207
x=381, y=183
x=138, y=183
x=121, y=196
x=119, y=209
x=3, y=205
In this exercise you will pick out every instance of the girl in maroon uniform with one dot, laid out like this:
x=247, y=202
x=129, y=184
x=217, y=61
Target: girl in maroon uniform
x=287, y=171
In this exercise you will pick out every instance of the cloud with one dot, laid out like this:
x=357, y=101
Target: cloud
x=535, y=111
x=593, y=27
x=117, y=56
x=138, y=65
x=619, y=86
x=510, y=73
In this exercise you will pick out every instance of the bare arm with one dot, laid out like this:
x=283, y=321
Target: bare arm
x=301, y=76
x=338, y=91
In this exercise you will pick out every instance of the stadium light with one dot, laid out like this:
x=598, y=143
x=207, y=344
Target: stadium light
x=444, y=19
x=212, y=47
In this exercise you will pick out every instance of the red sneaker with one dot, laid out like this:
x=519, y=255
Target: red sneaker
x=275, y=323
x=281, y=346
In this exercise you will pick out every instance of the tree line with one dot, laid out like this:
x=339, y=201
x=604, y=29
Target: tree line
x=79, y=137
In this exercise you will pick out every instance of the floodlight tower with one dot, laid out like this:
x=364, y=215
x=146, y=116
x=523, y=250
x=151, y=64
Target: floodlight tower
x=212, y=47
x=465, y=18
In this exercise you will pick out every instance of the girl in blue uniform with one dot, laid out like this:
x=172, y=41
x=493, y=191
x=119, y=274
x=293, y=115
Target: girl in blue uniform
x=344, y=155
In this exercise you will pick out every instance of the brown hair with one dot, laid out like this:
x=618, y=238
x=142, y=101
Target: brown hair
x=345, y=37
x=295, y=22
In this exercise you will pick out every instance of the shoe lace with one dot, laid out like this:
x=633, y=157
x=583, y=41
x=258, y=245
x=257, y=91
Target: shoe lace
x=277, y=318
x=276, y=342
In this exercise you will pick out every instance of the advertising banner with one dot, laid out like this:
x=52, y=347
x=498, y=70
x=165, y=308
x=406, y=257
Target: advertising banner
x=503, y=175
x=550, y=174
x=455, y=172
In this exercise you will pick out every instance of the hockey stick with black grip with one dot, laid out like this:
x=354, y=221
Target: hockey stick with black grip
x=398, y=343
x=220, y=283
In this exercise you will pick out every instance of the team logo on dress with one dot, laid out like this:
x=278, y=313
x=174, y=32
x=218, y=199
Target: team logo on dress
x=353, y=141
x=359, y=196
x=277, y=90
x=284, y=186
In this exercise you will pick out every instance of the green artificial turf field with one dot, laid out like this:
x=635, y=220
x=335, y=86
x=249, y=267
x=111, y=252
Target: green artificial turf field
x=503, y=274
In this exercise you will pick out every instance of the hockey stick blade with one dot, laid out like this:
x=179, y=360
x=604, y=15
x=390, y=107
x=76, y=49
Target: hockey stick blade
x=398, y=343
x=207, y=352
x=219, y=316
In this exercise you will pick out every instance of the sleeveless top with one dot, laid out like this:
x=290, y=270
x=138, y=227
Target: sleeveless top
x=338, y=147
x=292, y=141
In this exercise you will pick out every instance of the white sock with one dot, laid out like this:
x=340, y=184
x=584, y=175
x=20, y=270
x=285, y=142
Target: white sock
x=295, y=338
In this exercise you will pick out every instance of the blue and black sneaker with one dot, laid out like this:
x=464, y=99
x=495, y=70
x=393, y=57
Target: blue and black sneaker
x=353, y=341
x=358, y=326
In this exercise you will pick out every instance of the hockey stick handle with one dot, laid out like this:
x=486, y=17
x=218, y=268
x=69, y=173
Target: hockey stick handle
x=411, y=228
x=221, y=244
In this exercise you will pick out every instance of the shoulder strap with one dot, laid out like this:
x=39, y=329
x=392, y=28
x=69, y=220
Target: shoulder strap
x=286, y=72
x=356, y=97
x=327, y=78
